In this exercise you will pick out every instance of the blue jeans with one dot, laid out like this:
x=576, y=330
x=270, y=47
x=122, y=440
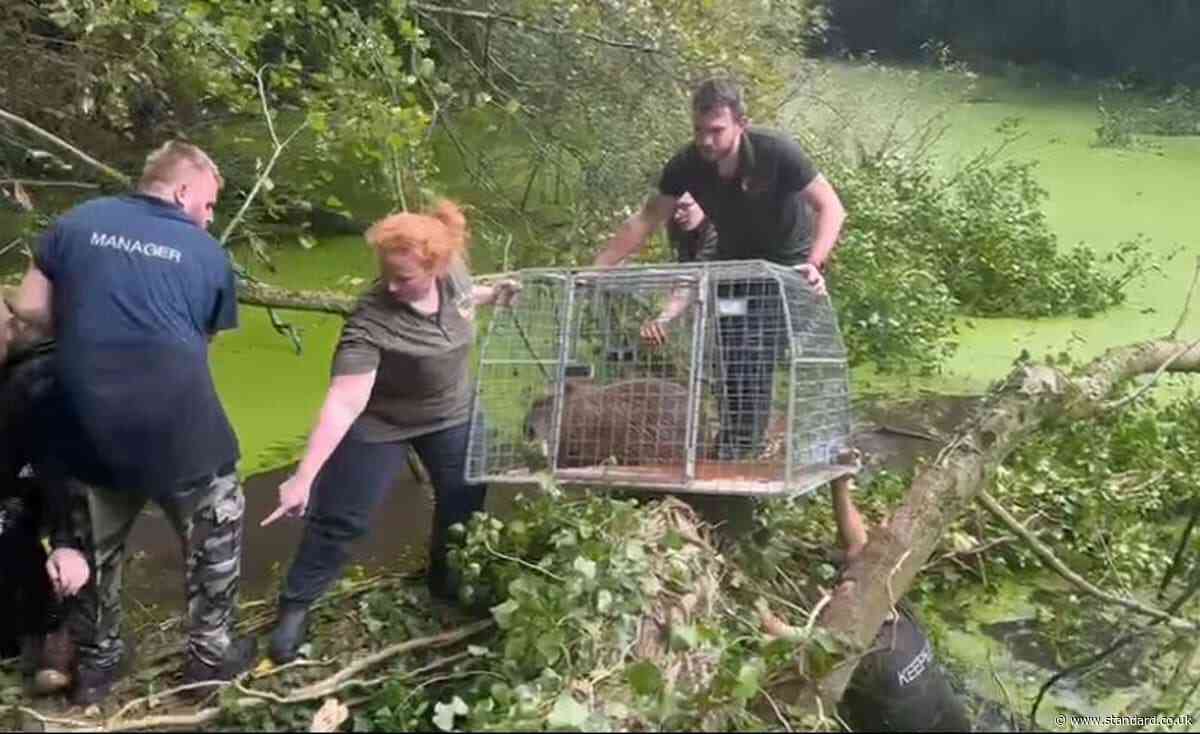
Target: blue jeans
x=348, y=491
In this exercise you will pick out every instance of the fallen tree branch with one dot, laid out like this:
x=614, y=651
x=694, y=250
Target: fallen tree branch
x=1042, y=551
x=320, y=689
x=944, y=489
x=50, y=137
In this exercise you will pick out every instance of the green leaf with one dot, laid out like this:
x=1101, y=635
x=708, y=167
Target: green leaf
x=307, y=241
x=747, y=682
x=444, y=713
x=604, y=601
x=503, y=613
x=586, y=568
x=567, y=713
x=550, y=647
x=684, y=637
x=644, y=678
x=197, y=10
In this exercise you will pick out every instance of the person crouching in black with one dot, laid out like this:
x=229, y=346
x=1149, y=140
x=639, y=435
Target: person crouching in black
x=898, y=685
x=33, y=584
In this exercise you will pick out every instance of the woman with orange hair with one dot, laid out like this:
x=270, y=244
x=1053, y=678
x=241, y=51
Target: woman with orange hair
x=401, y=377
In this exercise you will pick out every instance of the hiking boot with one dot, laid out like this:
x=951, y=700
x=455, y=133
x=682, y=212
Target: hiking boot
x=92, y=685
x=56, y=663
x=290, y=630
x=239, y=657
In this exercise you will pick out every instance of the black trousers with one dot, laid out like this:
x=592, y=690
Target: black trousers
x=349, y=490
x=31, y=608
x=753, y=334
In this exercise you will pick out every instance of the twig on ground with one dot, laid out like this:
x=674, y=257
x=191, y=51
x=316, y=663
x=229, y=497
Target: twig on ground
x=523, y=562
x=252, y=698
x=778, y=714
x=292, y=666
x=153, y=699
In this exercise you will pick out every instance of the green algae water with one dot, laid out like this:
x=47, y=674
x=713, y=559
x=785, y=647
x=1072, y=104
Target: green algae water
x=1098, y=196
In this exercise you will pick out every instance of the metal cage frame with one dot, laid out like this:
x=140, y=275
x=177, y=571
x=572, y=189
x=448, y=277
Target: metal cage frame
x=820, y=349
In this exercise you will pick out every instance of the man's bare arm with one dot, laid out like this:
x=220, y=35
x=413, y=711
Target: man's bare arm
x=33, y=302
x=852, y=532
x=828, y=216
x=633, y=233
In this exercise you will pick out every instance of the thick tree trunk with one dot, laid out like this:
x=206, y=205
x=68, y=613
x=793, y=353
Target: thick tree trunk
x=944, y=489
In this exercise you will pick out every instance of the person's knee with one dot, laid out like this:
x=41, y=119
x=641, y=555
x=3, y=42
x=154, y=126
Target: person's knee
x=339, y=527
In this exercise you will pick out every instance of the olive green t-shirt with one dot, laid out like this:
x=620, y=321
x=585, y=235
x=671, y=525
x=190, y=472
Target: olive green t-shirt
x=422, y=362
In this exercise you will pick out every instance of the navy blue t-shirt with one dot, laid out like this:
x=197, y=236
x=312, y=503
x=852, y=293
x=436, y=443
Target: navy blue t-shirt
x=138, y=291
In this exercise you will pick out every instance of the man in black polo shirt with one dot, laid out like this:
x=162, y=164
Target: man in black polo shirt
x=757, y=187
x=133, y=289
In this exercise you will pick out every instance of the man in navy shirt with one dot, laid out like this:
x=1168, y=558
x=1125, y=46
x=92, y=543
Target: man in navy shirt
x=134, y=288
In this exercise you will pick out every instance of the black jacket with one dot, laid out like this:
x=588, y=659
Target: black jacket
x=29, y=491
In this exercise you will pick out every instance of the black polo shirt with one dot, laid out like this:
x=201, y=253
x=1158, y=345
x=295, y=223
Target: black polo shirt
x=758, y=212
x=690, y=246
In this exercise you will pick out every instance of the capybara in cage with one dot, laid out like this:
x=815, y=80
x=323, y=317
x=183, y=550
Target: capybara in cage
x=626, y=423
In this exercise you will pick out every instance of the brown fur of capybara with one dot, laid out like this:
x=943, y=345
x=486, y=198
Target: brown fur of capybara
x=627, y=423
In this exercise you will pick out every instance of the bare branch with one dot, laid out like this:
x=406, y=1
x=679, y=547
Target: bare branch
x=526, y=25
x=1050, y=559
x=52, y=138
x=39, y=183
x=252, y=698
x=1117, y=405
x=1187, y=302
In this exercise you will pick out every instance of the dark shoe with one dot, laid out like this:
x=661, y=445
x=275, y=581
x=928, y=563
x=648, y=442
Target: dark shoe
x=56, y=663
x=288, y=636
x=239, y=657
x=92, y=685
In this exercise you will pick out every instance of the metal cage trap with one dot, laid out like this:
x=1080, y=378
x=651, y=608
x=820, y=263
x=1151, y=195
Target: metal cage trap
x=747, y=394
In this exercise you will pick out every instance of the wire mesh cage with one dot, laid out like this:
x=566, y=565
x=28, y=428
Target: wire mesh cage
x=745, y=390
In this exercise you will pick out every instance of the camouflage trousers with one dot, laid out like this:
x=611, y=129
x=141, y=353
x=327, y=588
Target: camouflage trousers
x=207, y=516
